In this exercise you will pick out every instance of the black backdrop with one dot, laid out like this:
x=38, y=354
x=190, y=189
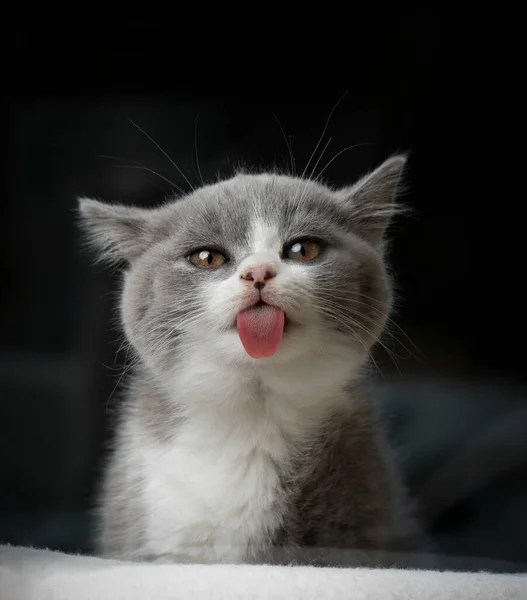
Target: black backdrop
x=446, y=88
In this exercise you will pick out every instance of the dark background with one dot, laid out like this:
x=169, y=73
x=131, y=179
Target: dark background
x=446, y=88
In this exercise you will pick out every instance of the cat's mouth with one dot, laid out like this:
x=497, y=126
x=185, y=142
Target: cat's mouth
x=261, y=327
x=287, y=321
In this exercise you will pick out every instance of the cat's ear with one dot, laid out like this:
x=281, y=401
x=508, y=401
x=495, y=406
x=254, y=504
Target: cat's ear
x=372, y=201
x=115, y=231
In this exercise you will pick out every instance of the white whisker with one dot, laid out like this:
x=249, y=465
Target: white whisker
x=196, y=149
x=137, y=165
x=163, y=152
x=289, y=146
x=323, y=134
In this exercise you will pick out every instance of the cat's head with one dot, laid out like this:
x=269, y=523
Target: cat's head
x=255, y=270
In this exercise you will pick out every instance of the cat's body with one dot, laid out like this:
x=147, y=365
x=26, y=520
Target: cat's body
x=222, y=456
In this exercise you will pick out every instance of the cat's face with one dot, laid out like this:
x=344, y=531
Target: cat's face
x=310, y=260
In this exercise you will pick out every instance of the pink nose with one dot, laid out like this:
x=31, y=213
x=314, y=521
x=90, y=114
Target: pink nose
x=259, y=274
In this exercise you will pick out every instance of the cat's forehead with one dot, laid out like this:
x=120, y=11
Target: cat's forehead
x=260, y=210
x=266, y=194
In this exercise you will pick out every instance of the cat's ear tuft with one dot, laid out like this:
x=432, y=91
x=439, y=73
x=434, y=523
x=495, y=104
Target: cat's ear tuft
x=116, y=232
x=372, y=201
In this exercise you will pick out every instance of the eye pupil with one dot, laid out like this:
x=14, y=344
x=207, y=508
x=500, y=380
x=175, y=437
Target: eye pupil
x=207, y=258
x=306, y=250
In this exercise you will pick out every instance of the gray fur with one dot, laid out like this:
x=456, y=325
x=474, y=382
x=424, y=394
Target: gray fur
x=340, y=488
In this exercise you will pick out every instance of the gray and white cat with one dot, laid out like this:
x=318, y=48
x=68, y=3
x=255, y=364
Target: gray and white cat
x=252, y=305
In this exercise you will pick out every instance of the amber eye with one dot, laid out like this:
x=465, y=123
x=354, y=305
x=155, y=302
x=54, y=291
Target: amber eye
x=304, y=250
x=208, y=259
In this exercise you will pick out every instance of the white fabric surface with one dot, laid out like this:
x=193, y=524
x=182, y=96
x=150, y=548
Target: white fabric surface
x=28, y=574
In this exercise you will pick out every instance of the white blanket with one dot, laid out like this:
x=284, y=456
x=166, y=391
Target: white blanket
x=27, y=574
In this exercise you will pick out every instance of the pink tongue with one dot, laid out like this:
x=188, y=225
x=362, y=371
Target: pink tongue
x=260, y=330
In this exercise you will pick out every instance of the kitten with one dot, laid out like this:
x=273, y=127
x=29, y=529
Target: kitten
x=252, y=305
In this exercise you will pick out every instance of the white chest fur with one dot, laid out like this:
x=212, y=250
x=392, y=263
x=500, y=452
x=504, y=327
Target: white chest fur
x=213, y=492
